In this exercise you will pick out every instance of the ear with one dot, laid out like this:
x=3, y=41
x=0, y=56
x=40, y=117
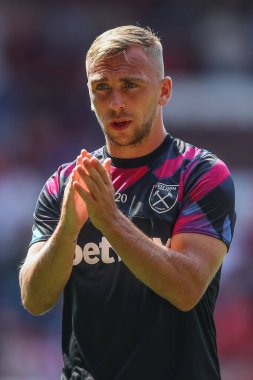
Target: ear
x=165, y=91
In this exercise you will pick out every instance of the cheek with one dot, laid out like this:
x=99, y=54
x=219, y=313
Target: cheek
x=149, y=96
x=100, y=100
x=98, y=105
x=150, y=103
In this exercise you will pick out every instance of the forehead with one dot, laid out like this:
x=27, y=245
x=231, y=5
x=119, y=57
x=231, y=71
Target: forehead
x=133, y=61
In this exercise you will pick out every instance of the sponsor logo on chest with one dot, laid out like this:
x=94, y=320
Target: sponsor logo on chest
x=93, y=253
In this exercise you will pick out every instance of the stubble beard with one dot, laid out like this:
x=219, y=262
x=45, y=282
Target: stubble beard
x=138, y=134
x=134, y=140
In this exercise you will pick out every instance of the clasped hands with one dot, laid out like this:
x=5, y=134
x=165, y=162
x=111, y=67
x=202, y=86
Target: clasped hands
x=92, y=181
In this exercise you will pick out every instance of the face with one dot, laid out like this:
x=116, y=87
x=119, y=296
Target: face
x=125, y=93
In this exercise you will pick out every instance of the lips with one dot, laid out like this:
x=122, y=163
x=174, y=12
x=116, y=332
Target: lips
x=120, y=125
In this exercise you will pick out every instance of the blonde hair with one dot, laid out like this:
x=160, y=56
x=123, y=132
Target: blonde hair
x=117, y=40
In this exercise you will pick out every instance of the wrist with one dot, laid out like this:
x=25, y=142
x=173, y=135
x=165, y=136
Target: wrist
x=117, y=219
x=65, y=232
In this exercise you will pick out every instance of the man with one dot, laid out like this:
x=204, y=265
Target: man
x=134, y=233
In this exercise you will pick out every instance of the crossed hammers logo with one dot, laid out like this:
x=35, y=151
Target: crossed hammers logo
x=163, y=197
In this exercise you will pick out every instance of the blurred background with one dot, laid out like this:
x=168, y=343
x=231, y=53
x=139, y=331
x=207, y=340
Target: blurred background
x=45, y=120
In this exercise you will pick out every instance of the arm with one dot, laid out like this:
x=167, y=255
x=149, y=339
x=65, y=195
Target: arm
x=179, y=273
x=46, y=271
x=48, y=266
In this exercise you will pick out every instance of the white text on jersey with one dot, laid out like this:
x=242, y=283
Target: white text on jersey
x=93, y=253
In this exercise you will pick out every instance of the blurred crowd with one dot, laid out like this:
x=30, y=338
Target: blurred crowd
x=45, y=120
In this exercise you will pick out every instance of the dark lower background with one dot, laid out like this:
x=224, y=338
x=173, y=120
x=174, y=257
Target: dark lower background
x=45, y=120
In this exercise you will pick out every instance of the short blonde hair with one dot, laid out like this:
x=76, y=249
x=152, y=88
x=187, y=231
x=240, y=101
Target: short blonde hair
x=117, y=40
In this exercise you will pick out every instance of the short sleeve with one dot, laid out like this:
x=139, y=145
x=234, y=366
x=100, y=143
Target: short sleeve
x=208, y=204
x=48, y=205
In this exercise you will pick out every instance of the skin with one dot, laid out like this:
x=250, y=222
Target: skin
x=127, y=96
x=127, y=88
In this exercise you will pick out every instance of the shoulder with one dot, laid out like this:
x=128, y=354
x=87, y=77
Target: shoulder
x=199, y=160
x=190, y=152
x=56, y=183
x=201, y=171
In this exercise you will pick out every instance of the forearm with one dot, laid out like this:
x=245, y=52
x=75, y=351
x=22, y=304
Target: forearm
x=45, y=273
x=180, y=273
x=171, y=274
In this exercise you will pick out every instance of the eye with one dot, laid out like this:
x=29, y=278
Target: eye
x=130, y=84
x=102, y=86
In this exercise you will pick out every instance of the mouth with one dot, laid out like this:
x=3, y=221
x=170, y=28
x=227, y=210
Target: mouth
x=120, y=125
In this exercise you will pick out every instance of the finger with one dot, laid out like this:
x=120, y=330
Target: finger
x=83, y=152
x=75, y=174
x=88, y=180
x=102, y=170
x=107, y=166
x=85, y=195
x=77, y=177
x=69, y=190
x=79, y=159
x=92, y=178
x=82, y=155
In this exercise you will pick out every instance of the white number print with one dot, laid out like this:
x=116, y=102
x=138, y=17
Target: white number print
x=120, y=197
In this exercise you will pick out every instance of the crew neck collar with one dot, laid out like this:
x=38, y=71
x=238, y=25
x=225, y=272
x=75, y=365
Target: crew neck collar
x=146, y=160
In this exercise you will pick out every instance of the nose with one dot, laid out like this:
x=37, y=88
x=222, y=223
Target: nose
x=117, y=102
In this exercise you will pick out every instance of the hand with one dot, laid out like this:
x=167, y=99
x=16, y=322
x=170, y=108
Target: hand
x=95, y=188
x=74, y=211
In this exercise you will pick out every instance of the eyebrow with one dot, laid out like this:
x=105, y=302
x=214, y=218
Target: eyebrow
x=124, y=79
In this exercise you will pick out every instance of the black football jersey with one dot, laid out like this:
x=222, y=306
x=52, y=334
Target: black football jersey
x=113, y=326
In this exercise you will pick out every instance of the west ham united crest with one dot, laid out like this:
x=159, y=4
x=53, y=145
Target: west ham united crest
x=163, y=197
